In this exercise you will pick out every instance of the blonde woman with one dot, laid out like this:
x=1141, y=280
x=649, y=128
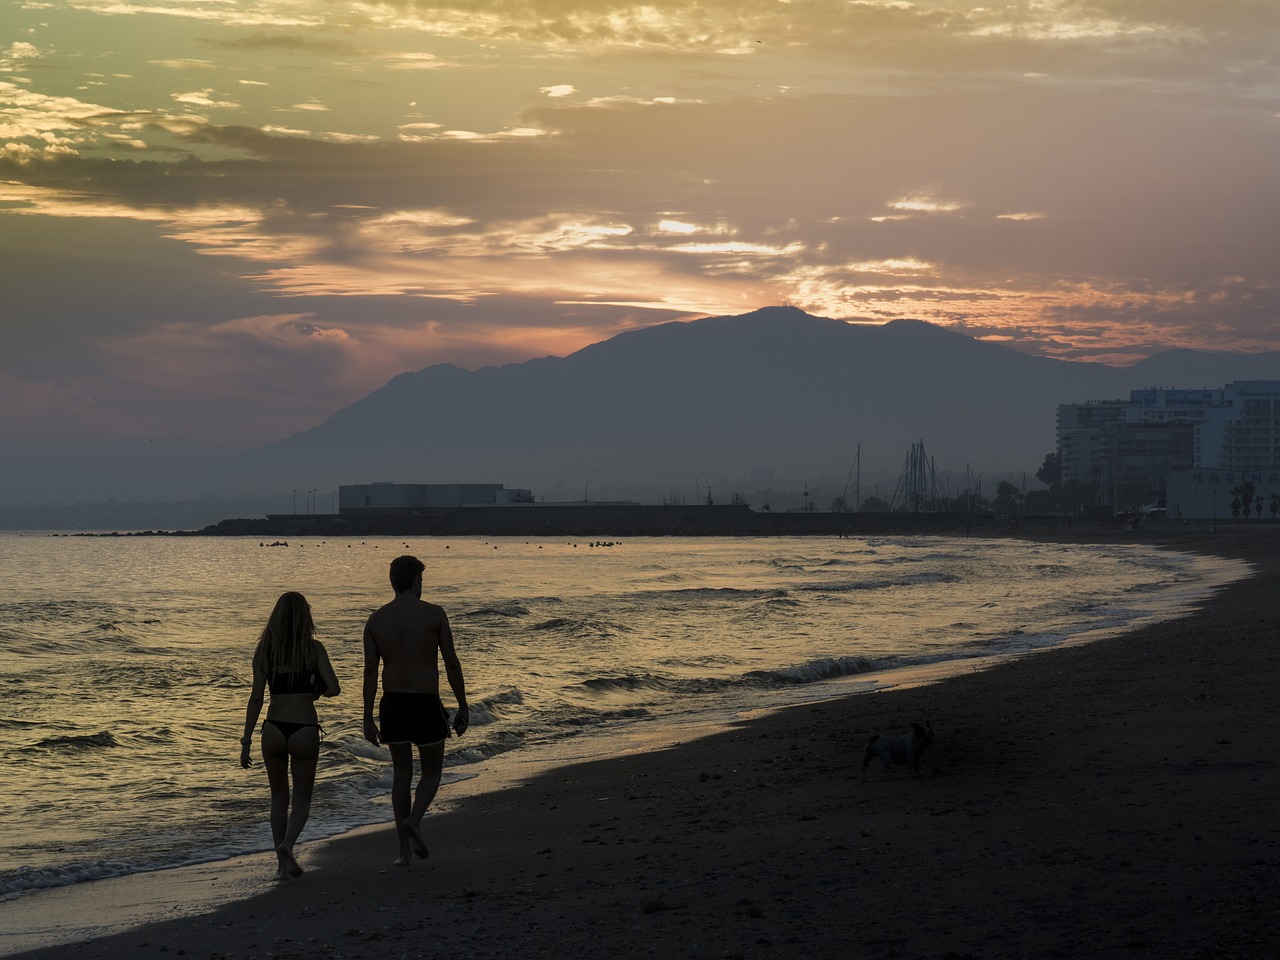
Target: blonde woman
x=291, y=663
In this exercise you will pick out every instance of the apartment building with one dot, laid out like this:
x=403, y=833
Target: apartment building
x=1127, y=450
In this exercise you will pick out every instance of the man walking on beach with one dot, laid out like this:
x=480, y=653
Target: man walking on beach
x=409, y=636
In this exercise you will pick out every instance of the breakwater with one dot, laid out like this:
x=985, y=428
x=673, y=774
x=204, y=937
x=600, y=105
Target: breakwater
x=603, y=521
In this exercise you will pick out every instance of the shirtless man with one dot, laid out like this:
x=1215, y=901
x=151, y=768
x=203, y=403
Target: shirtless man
x=408, y=637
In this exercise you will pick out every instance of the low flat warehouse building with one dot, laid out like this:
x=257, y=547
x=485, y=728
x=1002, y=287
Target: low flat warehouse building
x=406, y=499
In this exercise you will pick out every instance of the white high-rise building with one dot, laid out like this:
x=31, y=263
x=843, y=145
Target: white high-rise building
x=1129, y=449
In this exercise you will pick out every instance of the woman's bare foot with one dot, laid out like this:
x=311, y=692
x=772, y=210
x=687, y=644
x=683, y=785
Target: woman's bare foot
x=288, y=865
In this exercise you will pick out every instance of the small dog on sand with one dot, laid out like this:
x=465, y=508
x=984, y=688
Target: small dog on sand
x=906, y=748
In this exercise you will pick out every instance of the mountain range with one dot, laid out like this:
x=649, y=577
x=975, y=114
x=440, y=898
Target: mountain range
x=771, y=396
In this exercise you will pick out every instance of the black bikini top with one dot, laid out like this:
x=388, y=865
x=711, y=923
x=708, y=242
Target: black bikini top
x=295, y=681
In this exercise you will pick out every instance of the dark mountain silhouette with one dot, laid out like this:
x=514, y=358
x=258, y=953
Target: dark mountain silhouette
x=719, y=399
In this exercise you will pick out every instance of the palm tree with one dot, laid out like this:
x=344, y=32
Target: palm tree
x=1242, y=499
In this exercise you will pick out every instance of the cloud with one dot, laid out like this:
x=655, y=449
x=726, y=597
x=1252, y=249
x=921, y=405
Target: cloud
x=924, y=202
x=17, y=51
x=487, y=181
x=204, y=99
x=414, y=61
x=187, y=64
x=56, y=123
x=279, y=41
x=310, y=220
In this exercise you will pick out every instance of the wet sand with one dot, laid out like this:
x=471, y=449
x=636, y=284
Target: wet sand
x=1115, y=799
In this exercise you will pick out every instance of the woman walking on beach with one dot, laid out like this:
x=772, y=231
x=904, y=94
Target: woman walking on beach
x=291, y=663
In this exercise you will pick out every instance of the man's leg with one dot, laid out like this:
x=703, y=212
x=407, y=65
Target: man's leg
x=431, y=756
x=401, y=779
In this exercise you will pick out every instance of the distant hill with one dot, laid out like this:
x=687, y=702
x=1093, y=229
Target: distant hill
x=776, y=390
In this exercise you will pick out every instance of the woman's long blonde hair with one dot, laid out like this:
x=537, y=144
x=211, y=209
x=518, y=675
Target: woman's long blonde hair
x=288, y=639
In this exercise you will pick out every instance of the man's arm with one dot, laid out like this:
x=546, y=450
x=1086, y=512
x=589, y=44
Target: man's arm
x=453, y=671
x=371, y=658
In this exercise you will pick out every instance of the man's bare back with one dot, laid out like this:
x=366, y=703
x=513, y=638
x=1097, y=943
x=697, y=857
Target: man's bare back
x=409, y=636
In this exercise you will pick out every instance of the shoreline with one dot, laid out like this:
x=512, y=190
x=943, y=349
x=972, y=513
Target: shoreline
x=1104, y=798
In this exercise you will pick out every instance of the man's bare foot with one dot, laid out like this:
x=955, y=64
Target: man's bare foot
x=416, y=842
x=288, y=865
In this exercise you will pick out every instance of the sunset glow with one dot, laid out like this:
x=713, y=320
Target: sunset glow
x=301, y=200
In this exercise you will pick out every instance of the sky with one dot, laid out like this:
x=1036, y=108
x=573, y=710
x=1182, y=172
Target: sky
x=223, y=220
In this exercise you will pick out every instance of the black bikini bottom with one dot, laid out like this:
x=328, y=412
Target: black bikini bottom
x=288, y=729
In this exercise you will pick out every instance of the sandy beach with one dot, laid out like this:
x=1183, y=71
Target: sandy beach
x=1115, y=799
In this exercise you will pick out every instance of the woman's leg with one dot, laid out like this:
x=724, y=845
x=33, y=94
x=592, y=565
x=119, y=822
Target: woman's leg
x=275, y=757
x=304, y=752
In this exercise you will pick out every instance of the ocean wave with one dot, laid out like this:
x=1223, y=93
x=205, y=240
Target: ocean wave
x=814, y=671
x=83, y=741
x=927, y=578
x=508, y=610
x=492, y=708
x=555, y=623
x=25, y=879
x=149, y=675
x=83, y=619
x=473, y=751
x=716, y=592
x=1053, y=569
x=578, y=627
x=818, y=670
x=1148, y=587
x=54, y=640
x=768, y=608
x=806, y=564
x=226, y=681
x=607, y=716
x=628, y=683
x=37, y=611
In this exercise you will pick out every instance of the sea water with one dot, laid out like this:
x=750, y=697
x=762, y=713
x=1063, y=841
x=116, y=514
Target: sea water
x=125, y=661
